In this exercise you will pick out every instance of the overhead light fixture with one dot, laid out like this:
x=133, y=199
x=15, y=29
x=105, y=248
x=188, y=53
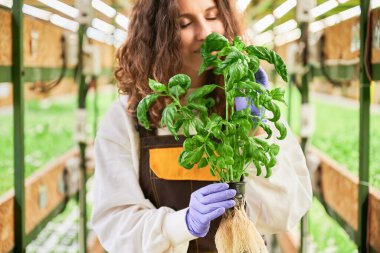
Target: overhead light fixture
x=6, y=3
x=103, y=8
x=241, y=5
x=122, y=21
x=117, y=44
x=350, y=13
x=64, y=23
x=286, y=27
x=36, y=12
x=62, y=7
x=316, y=26
x=284, y=8
x=102, y=26
x=335, y=19
x=288, y=37
x=323, y=8
x=100, y=36
x=323, y=23
x=263, y=23
x=120, y=35
x=375, y=4
x=263, y=38
x=331, y=20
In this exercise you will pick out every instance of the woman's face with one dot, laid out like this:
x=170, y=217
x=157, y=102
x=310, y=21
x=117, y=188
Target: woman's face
x=198, y=18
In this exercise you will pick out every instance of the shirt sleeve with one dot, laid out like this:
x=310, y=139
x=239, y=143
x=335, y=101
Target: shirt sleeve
x=122, y=218
x=276, y=204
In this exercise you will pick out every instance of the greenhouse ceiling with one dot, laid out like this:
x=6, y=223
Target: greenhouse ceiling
x=262, y=17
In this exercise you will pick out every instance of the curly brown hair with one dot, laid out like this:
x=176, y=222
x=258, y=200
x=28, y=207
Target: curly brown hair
x=152, y=50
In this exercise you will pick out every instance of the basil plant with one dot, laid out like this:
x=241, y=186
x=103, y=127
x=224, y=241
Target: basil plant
x=227, y=144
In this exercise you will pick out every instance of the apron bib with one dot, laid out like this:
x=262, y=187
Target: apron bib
x=165, y=183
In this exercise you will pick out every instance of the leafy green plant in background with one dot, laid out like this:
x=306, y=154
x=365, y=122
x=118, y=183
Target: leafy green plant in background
x=226, y=144
x=49, y=126
x=337, y=135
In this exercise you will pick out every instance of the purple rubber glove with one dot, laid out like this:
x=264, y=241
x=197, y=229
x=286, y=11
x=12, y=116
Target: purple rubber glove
x=242, y=102
x=207, y=204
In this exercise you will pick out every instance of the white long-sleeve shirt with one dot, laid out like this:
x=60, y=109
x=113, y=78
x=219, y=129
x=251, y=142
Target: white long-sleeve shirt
x=125, y=221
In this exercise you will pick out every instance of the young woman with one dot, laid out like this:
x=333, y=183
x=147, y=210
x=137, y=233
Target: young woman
x=145, y=202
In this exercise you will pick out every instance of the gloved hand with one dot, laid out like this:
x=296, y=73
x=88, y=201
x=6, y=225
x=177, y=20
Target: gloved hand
x=207, y=204
x=242, y=102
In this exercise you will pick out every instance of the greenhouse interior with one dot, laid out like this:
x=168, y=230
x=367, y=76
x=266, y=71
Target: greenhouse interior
x=67, y=65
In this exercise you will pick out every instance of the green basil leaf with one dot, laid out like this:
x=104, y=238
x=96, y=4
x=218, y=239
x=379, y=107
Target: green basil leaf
x=143, y=108
x=178, y=124
x=197, y=155
x=208, y=60
x=199, y=107
x=167, y=118
x=282, y=129
x=271, y=57
x=208, y=102
x=253, y=64
x=214, y=42
x=184, y=160
x=237, y=71
x=203, y=163
x=258, y=167
x=269, y=169
x=220, y=163
x=278, y=94
x=199, y=138
x=225, y=51
x=237, y=42
x=181, y=80
x=186, y=128
x=229, y=160
x=275, y=149
x=156, y=86
x=227, y=150
x=217, y=133
x=256, y=87
x=189, y=145
x=210, y=152
x=244, y=125
x=262, y=143
x=177, y=91
x=272, y=162
x=201, y=92
x=210, y=144
x=267, y=129
x=271, y=106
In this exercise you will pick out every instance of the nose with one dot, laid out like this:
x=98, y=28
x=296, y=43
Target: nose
x=203, y=30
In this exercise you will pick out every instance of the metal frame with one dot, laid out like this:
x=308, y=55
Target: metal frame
x=365, y=100
x=81, y=79
x=18, y=119
x=304, y=100
x=32, y=74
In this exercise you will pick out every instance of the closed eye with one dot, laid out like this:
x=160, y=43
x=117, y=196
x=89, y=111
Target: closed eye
x=185, y=25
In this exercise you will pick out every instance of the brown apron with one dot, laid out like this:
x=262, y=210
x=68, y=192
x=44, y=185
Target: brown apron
x=165, y=183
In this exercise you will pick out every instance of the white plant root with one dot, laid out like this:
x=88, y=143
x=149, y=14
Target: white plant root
x=238, y=234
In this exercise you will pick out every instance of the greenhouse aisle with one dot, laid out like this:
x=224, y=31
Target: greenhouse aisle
x=61, y=235
x=309, y=71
